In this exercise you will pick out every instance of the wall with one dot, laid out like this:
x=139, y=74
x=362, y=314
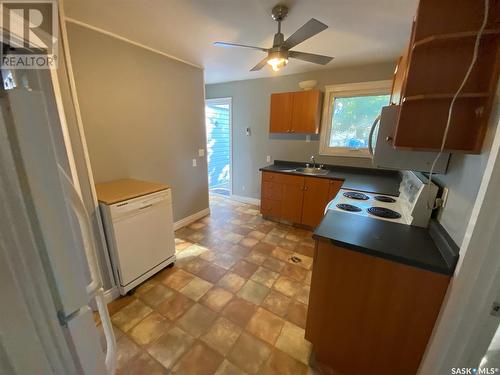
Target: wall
x=251, y=109
x=463, y=180
x=142, y=115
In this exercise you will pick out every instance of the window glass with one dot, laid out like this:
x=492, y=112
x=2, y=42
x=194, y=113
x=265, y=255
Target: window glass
x=352, y=118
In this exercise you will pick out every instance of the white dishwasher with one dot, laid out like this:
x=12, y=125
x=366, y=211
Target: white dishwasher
x=140, y=237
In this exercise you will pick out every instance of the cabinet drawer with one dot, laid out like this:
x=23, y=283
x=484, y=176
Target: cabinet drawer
x=270, y=207
x=271, y=190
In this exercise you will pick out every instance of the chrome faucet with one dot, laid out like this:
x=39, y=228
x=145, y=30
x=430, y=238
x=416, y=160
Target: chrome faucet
x=313, y=161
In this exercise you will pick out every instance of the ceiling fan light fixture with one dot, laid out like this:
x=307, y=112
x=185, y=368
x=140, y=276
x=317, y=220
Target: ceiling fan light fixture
x=277, y=63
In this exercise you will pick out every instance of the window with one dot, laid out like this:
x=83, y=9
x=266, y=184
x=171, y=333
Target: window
x=348, y=115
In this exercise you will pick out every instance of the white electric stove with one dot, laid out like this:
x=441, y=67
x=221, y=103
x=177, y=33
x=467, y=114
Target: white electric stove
x=413, y=206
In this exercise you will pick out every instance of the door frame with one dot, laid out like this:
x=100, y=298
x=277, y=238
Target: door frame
x=224, y=100
x=465, y=327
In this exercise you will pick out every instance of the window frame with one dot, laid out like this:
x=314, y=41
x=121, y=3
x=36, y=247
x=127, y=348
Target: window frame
x=341, y=91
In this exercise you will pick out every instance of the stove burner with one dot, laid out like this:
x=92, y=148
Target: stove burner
x=384, y=212
x=356, y=195
x=348, y=207
x=383, y=198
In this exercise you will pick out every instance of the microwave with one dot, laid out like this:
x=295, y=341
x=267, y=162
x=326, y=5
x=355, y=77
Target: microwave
x=384, y=155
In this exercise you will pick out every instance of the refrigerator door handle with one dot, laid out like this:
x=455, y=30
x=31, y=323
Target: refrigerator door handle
x=94, y=288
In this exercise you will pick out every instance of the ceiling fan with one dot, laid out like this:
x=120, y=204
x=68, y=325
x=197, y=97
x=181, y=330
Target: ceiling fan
x=278, y=54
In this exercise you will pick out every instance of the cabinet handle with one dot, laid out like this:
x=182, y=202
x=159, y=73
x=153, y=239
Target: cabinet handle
x=288, y=130
x=292, y=131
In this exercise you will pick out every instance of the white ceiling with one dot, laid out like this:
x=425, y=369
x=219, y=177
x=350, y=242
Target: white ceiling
x=360, y=31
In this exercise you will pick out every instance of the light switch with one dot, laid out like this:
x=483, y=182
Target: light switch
x=194, y=162
x=268, y=158
x=201, y=152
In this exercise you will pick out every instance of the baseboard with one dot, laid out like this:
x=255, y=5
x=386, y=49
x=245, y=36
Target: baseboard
x=111, y=294
x=191, y=218
x=248, y=200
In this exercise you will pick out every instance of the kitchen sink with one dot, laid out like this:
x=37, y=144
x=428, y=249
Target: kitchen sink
x=313, y=171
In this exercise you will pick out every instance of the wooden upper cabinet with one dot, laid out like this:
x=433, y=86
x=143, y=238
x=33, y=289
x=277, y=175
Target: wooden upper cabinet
x=281, y=113
x=440, y=53
x=306, y=111
x=316, y=197
x=296, y=112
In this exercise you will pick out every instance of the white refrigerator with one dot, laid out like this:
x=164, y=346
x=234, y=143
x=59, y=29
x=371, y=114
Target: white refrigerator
x=49, y=270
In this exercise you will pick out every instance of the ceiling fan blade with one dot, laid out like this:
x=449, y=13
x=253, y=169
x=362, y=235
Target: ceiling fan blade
x=311, y=57
x=224, y=44
x=260, y=65
x=309, y=29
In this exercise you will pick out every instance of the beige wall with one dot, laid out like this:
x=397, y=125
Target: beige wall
x=142, y=115
x=251, y=109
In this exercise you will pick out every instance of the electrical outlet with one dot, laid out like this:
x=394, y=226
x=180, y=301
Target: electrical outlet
x=308, y=138
x=194, y=162
x=201, y=152
x=268, y=158
x=243, y=188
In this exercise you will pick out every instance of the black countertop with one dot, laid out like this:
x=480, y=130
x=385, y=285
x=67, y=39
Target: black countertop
x=430, y=249
x=361, y=179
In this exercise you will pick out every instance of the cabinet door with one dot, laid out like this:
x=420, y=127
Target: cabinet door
x=306, y=111
x=333, y=189
x=316, y=197
x=292, y=197
x=398, y=80
x=280, y=113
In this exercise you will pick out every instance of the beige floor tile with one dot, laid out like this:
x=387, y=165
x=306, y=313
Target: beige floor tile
x=232, y=282
x=130, y=315
x=256, y=257
x=264, y=276
x=253, y=292
x=142, y=364
x=303, y=294
x=276, y=303
x=256, y=234
x=286, y=286
x=126, y=349
x=248, y=242
x=232, y=237
x=216, y=298
x=245, y=269
x=264, y=248
x=225, y=260
x=297, y=314
x=249, y=353
x=272, y=239
x=145, y=286
x=156, y=295
x=239, y=311
x=294, y=272
x=174, y=306
x=306, y=262
x=281, y=254
x=222, y=335
x=288, y=244
x=199, y=360
x=265, y=325
x=178, y=279
x=169, y=347
x=227, y=368
x=211, y=273
x=308, y=278
x=274, y=264
x=197, y=320
x=292, y=342
x=196, y=288
x=280, y=363
x=149, y=329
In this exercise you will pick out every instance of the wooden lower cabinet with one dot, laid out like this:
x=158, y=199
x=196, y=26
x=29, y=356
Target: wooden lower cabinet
x=297, y=199
x=292, y=198
x=368, y=315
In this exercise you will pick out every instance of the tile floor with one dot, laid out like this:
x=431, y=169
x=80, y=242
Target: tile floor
x=234, y=303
